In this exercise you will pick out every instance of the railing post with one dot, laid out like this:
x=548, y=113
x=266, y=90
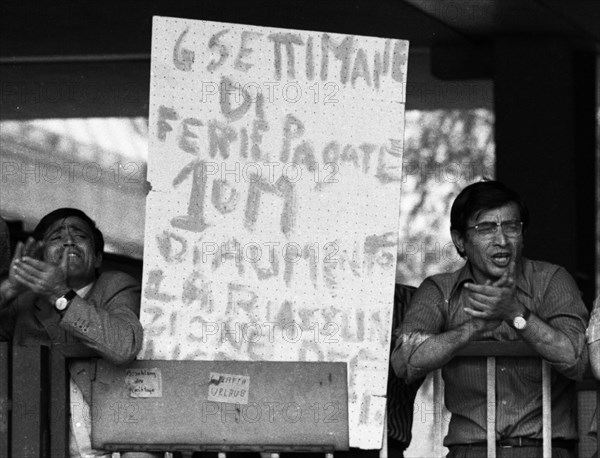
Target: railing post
x=491, y=407
x=438, y=416
x=27, y=412
x=546, y=410
x=4, y=402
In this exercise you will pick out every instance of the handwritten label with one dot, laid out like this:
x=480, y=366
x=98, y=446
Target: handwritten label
x=275, y=159
x=229, y=388
x=144, y=383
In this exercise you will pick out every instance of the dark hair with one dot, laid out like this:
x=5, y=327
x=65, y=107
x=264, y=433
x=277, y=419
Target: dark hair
x=482, y=196
x=62, y=213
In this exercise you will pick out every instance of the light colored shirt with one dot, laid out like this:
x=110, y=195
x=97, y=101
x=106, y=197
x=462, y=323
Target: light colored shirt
x=80, y=444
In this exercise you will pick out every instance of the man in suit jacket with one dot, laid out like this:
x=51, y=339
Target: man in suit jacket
x=54, y=294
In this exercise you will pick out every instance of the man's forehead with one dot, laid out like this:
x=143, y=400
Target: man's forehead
x=71, y=223
x=492, y=214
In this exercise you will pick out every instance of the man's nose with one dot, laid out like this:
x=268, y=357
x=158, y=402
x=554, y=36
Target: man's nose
x=68, y=240
x=500, y=237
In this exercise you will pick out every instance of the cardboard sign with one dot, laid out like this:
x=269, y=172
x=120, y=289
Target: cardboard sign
x=271, y=227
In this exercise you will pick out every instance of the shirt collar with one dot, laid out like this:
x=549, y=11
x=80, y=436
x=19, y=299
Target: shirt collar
x=465, y=276
x=81, y=292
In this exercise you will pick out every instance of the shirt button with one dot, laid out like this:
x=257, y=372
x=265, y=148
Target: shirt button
x=503, y=369
x=503, y=403
x=78, y=424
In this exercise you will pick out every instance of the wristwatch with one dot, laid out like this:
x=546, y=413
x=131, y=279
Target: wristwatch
x=62, y=302
x=520, y=321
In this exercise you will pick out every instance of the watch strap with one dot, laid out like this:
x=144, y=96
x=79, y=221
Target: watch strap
x=70, y=295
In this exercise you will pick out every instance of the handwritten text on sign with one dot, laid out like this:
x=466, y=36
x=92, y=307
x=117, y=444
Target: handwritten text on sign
x=271, y=227
x=144, y=383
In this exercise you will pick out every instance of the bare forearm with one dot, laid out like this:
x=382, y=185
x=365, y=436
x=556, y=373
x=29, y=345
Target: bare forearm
x=594, y=348
x=593, y=339
x=438, y=350
x=549, y=342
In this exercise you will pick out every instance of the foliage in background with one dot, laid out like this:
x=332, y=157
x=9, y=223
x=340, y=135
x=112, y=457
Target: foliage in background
x=444, y=151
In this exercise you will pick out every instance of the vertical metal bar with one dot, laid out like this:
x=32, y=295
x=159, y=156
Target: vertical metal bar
x=438, y=397
x=59, y=405
x=598, y=417
x=546, y=410
x=26, y=414
x=4, y=405
x=491, y=407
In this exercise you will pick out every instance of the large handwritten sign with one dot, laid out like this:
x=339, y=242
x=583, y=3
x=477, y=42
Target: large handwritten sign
x=271, y=227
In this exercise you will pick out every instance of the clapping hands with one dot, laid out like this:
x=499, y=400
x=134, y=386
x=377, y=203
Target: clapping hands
x=29, y=272
x=493, y=302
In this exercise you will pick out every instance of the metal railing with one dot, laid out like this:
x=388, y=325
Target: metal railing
x=491, y=350
x=34, y=410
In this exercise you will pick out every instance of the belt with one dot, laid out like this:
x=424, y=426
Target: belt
x=511, y=442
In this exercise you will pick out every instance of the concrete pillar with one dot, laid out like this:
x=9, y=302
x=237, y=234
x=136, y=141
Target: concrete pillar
x=545, y=103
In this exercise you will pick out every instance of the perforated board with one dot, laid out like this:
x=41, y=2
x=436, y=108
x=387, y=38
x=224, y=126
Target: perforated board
x=271, y=227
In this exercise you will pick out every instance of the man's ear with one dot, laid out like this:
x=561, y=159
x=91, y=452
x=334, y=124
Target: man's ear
x=459, y=241
x=98, y=262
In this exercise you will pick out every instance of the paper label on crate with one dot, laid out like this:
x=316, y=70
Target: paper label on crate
x=144, y=382
x=228, y=388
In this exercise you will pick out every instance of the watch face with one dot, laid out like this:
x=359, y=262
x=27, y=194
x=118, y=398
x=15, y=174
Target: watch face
x=519, y=322
x=61, y=303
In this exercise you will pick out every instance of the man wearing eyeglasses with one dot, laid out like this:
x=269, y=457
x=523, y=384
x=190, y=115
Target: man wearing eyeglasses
x=497, y=295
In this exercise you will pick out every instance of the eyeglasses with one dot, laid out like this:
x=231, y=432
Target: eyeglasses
x=488, y=228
